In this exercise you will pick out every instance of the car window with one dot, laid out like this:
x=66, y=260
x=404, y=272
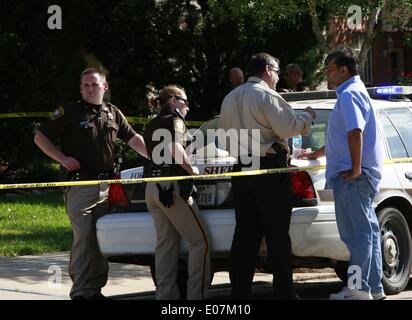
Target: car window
x=317, y=135
x=202, y=132
x=402, y=119
x=396, y=147
x=211, y=124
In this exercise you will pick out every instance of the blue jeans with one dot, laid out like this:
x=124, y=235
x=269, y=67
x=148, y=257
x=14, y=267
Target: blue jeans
x=359, y=229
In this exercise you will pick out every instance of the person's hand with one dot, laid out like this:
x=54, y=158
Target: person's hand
x=70, y=163
x=284, y=90
x=311, y=112
x=351, y=174
x=311, y=155
x=195, y=171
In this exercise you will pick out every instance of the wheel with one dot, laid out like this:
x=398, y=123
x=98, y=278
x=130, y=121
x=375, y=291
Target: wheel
x=396, y=250
x=341, y=270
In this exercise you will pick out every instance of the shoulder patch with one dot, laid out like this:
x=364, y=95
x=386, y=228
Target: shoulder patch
x=57, y=113
x=179, y=125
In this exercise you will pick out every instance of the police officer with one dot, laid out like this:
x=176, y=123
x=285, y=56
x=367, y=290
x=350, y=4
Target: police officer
x=263, y=203
x=174, y=211
x=87, y=130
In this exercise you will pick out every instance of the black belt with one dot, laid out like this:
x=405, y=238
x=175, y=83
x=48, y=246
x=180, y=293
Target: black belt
x=76, y=175
x=153, y=170
x=268, y=161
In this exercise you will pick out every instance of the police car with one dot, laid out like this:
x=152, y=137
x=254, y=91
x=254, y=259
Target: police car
x=128, y=235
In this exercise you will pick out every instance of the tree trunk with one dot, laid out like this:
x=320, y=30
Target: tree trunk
x=370, y=33
x=320, y=36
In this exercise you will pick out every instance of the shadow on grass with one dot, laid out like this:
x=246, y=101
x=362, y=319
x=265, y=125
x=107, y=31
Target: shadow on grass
x=36, y=242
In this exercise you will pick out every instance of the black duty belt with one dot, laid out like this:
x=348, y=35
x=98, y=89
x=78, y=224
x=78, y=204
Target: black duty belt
x=152, y=170
x=91, y=176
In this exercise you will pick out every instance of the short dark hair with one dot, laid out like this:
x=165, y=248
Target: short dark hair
x=258, y=63
x=344, y=56
x=99, y=71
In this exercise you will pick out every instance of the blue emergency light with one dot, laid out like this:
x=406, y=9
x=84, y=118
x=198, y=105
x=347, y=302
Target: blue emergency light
x=393, y=90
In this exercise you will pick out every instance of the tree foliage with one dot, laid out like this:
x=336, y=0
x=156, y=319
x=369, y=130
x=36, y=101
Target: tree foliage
x=143, y=44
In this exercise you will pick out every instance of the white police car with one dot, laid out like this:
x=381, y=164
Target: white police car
x=128, y=235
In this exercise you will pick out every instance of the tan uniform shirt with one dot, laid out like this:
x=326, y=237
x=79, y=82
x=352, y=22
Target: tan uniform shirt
x=254, y=105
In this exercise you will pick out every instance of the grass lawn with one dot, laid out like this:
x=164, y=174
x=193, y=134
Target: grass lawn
x=33, y=223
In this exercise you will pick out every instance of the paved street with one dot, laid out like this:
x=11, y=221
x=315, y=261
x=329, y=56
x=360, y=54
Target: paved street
x=33, y=278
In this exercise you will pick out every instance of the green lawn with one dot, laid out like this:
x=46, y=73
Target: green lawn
x=33, y=223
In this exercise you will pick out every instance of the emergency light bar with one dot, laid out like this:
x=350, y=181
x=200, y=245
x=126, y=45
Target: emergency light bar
x=393, y=90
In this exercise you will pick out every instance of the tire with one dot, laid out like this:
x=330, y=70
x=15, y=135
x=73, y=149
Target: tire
x=396, y=250
x=341, y=270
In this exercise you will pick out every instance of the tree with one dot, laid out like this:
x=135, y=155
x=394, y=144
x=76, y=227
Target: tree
x=322, y=13
x=145, y=43
x=395, y=11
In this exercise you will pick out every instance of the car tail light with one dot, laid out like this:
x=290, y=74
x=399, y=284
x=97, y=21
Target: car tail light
x=117, y=196
x=302, y=188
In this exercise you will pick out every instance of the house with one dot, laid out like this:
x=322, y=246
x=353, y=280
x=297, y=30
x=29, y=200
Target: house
x=390, y=57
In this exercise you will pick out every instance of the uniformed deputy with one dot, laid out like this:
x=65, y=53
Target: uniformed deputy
x=174, y=211
x=87, y=130
x=262, y=203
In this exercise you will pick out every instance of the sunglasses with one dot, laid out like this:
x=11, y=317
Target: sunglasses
x=275, y=69
x=182, y=99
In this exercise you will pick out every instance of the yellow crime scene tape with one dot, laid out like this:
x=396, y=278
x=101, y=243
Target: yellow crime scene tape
x=176, y=178
x=133, y=120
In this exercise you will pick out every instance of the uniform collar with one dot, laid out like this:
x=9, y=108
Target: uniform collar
x=96, y=108
x=262, y=83
x=105, y=107
x=258, y=80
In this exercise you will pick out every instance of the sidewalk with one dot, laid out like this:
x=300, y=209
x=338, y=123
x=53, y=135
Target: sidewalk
x=32, y=278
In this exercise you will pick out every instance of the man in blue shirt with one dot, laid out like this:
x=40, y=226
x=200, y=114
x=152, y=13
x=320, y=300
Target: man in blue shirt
x=354, y=154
